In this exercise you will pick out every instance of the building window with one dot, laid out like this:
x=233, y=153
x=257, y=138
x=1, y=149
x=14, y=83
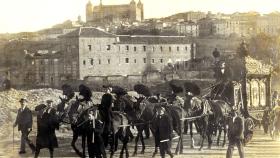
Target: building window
x=42, y=78
x=127, y=48
x=134, y=60
x=153, y=60
x=84, y=62
x=186, y=48
x=126, y=60
x=161, y=60
x=144, y=60
x=108, y=47
x=68, y=48
x=89, y=47
x=144, y=48
x=161, y=49
x=153, y=49
x=169, y=49
x=91, y=61
x=42, y=62
x=99, y=61
x=135, y=49
x=109, y=61
x=178, y=49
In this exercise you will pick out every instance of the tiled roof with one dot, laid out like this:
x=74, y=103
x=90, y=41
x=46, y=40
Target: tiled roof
x=154, y=40
x=87, y=32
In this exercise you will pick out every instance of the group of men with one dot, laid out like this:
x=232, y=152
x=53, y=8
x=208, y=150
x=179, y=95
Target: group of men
x=47, y=123
x=271, y=117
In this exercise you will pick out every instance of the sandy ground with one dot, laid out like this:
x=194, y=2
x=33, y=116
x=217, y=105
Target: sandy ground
x=262, y=146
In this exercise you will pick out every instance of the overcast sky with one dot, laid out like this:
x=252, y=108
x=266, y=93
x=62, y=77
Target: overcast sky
x=32, y=15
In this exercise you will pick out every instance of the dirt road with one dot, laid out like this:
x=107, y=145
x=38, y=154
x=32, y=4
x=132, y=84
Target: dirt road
x=261, y=146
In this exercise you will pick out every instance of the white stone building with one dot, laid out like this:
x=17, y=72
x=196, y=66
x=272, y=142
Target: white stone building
x=92, y=52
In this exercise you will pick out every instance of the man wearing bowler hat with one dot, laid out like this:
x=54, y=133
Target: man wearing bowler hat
x=24, y=123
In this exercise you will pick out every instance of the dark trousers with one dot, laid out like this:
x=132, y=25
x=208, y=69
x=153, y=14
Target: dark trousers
x=164, y=147
x=265, y=127
x=97, y=148
x=24, y=139
x=231, y=145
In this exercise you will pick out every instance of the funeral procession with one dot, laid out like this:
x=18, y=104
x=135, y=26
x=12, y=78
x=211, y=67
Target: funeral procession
x=124, y=80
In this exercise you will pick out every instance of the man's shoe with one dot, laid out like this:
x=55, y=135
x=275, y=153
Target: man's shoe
x=22, y=152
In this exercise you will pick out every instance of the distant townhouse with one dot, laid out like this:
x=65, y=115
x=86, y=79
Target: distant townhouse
x=221, y=27
x=269, y=24
x=187, y=29
x=43, y=69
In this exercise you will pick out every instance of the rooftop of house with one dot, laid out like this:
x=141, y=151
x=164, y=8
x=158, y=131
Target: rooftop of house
x=87, y=32
x=146, y=39
x=91, y=32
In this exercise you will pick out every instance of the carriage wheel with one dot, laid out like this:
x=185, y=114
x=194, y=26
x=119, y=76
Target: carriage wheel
x=249, y=124
x=249, y=128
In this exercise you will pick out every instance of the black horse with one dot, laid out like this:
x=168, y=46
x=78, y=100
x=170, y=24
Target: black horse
x=120, y=132
x=77, y=114
x=117, y=125
x=145, y=112
x=81, y=126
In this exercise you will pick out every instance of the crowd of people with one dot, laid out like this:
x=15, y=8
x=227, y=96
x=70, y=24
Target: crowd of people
x=100, y=119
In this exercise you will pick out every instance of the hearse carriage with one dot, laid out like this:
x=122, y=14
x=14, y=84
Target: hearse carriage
x=251, y=86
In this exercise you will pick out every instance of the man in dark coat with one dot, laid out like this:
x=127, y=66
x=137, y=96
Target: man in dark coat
x=24, y=123
x=266, y=119
x=105, y=110
x=47, y=123
x=235, y=135
x=97, y=147
x=163, y=131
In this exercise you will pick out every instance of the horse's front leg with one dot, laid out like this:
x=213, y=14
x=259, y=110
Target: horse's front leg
x=209, y=136
x=203, y=132
x=84, y=145
x=181, y=138
x=157, y=141
x=125, y=142
x=191, y=134
x=112, y=146
x=225, y=135
x=73, y=144
x=143, y=143
x=123, y=148
x=136, y=141
x=219, y=136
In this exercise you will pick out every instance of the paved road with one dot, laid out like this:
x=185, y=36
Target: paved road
x=261, y=147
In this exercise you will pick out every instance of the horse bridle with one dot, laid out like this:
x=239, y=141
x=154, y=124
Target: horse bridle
x=143, y=102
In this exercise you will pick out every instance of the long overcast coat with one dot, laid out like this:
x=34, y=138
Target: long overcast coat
x=47, y=122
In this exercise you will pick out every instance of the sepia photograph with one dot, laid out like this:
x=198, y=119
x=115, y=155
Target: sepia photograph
x=139, y=78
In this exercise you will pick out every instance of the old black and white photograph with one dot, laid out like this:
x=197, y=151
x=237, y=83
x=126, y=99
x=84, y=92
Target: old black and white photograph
x=139, y=78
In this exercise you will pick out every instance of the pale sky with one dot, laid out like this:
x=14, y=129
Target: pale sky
x=33, y=15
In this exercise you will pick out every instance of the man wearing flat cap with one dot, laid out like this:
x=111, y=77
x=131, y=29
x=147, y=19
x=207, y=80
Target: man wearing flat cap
x=24, y=123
